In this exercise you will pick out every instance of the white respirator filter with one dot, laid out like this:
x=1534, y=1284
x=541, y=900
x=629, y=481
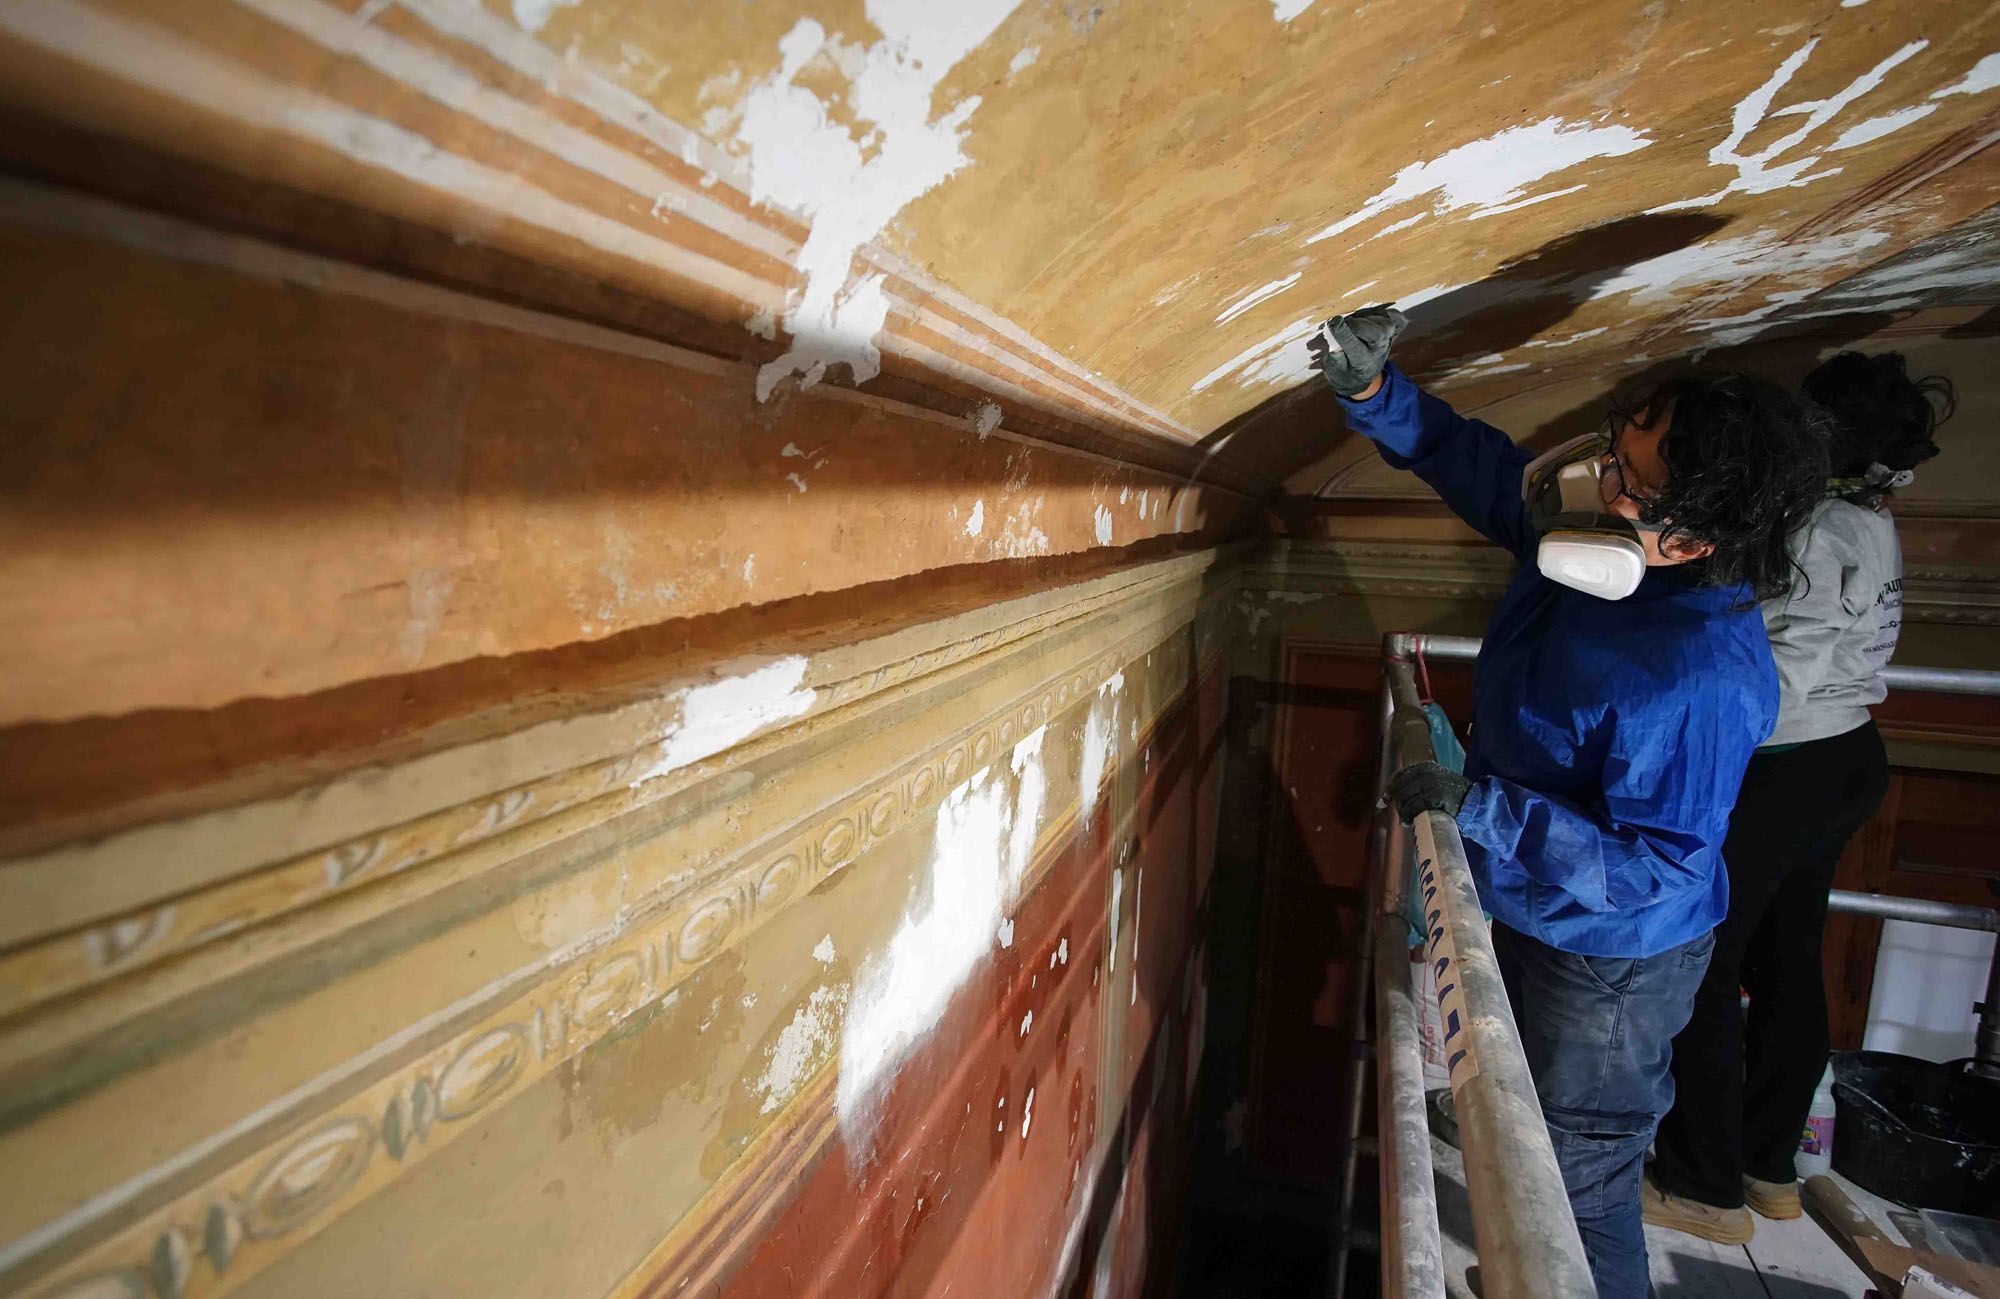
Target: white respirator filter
x=1596, y=563
x=1583, y=544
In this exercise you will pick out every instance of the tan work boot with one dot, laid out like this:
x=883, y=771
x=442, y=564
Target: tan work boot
x=1775, y=1200
x=1723, y=1226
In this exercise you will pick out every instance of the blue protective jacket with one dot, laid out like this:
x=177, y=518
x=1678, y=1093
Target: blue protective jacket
x=1609, y=737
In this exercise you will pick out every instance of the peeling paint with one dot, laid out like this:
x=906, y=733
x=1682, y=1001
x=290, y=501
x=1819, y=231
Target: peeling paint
x=1023, y=60
x=977, y=522
x=1262, y=293
x=1027, y=1022
x=1101, y=516
x=850, y=189
x=1027, y=1113
x=1279, y=357
x=1742, y=259
x=796, y=481
x=981, y=847
x=1117, y=892
x=1099, y=734
x=1492, y=175
x=801, y=1046
x=1286, y=10
x=985, y=419
x=724, y=713
x=1984, y=76
x=823, y=953
x=533, y=15
x=1760, y=172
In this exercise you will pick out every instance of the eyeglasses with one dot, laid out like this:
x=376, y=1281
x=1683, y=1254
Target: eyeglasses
x=1615, y=423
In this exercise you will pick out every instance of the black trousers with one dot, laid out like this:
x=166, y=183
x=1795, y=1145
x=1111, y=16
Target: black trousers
x=1743, y=1082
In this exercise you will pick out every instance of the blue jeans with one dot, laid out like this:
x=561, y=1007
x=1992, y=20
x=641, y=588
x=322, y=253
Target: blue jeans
x=1598, y=1032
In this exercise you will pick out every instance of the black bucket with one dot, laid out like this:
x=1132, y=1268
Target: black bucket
x=1922, y=1134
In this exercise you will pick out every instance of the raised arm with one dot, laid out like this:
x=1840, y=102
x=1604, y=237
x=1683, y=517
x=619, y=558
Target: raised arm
x=1473, y=466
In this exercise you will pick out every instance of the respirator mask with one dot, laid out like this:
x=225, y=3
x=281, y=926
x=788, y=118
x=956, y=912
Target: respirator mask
x=1583, y=543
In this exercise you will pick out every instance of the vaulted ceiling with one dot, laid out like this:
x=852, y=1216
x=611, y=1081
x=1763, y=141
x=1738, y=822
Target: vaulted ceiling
x=1158, y=200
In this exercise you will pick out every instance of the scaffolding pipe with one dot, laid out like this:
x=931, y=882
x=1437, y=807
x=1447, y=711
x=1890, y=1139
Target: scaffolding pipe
x=1412, y=1245
x=1525, y=1233
x=1944, y=681
x=1923, y=911
x=1522, y=1225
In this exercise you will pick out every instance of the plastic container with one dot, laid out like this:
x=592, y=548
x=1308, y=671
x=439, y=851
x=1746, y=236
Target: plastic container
x=1816, y=1142
x=1922, y=1134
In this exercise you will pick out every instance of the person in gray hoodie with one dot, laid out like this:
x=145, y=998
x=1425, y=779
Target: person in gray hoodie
x=1744, y=1081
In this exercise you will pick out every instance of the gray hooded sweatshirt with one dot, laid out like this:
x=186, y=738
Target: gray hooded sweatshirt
x=1833, y=635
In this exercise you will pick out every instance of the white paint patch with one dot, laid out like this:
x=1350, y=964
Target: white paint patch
x=1006, y=932
x=533, y=15
x=749, y=568
x=1743, y=259
x=1060, y=955
x=796, y=481
x=1984, y=76
x=764, y=324
x=1023, y=537
x=1877, y=127
x=1852, y=4
x=1138, y=900
x=1518, y=205
x=1027, y=1113
x=717, y=716
x=1027, y=1022
x=824, y=952
x=1117, y=893
x=1101, y=516
x=985, y=419
x=977, y=522
x=1278, y=358
x=1286, y=10
x=1761, y=172
x=1490, y=174
x=1023, y=60
x=849, y=188
x=1359, y=288
x=981, y=847
x=1263, y=293
x=1099, y=734
x=1411, y=301
x=1567, y=339
x=801, y=1047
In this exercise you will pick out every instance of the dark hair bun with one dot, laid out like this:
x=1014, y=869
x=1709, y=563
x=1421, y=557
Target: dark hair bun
x=1879, y=414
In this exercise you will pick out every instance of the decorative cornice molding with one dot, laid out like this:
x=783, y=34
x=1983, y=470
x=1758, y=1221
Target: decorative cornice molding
x=230, y=1214
x=449, y=844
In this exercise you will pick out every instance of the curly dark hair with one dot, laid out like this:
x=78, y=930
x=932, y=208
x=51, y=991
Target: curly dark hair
x=1746, y=463
x=1880, y=415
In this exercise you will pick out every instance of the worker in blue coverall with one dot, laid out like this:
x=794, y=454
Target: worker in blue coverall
x=1609, y=735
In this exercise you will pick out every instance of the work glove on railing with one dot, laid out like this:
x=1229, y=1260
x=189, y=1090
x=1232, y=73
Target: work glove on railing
x=1427, y=787
x=1351, y=350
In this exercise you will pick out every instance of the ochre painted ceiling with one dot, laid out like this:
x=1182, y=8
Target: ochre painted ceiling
x=1172, y=194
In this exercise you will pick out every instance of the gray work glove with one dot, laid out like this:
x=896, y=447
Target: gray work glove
x=1427, y=787
x=1351, y=350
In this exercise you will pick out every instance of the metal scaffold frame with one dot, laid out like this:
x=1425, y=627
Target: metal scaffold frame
x=1526, y=1238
